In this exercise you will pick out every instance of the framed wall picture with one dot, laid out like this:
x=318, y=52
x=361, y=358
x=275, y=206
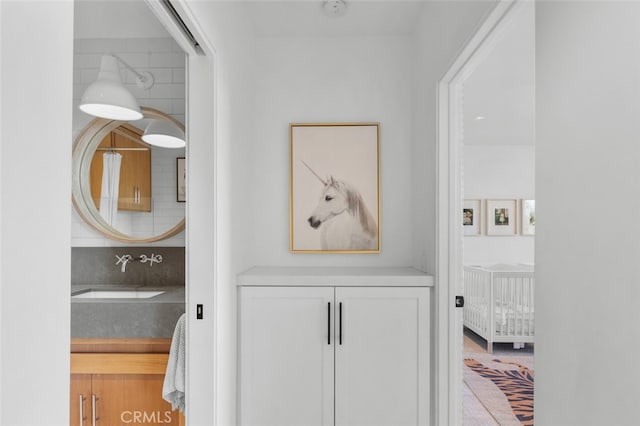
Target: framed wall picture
x=181, y=179
x=335, y=188
x=471, y=217
x=501, y=217
x=528, y=210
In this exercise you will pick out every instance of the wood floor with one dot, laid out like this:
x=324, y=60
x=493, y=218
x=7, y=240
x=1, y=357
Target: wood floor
x=474, y=412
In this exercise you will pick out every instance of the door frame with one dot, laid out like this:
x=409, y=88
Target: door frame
x=201, y=215
x=449, y=236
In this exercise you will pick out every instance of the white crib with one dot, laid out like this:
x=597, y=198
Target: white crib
x=499, y=303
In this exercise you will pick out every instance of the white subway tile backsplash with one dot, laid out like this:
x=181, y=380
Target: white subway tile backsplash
x=167, y=60
x=88, y=75
x=99, y=45
x=164, y=59
x=140, y=94
x=137, y=60
x=167, y=91
x=87, y=60
x=178, y=106
x=164, y=105
x=162, y=45
x=162, y=75
x=178, y=75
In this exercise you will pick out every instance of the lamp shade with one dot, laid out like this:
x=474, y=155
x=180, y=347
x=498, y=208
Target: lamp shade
x=164, y=134
x=107, y=97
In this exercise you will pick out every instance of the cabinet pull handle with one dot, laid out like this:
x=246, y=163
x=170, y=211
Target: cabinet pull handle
x=340, y=314
x=94, y=407
x=328, y=323
x=82, y=417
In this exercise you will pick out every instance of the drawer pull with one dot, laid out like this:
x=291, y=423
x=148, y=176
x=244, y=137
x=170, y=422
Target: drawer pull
x=82, y=417
x=94, y=408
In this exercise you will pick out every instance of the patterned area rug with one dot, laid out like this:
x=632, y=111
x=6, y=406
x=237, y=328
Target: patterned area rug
x=502, y=384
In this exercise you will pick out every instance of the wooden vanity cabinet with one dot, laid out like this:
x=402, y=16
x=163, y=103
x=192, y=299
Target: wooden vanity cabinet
x=114, y=388
x=135, y=169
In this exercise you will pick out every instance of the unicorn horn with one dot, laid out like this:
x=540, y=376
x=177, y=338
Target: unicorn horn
x=324, y=182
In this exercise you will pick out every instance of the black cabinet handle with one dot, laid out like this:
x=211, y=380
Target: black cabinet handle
x=340, y=314
x=329, y=323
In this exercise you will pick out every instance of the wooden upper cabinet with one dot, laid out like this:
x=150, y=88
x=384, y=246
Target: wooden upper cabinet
x=135, y=169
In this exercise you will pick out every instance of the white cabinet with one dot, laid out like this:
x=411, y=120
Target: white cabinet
x=286, y=363
x=343, y=356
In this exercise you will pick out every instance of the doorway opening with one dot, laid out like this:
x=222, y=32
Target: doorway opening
x=498, y=157
x=487, y=182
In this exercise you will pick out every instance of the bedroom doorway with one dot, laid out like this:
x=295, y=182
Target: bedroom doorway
x=486, y=117
x=498, y=216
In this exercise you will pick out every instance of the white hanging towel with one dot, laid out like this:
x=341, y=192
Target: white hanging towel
x=109, y=191
x=174, y=378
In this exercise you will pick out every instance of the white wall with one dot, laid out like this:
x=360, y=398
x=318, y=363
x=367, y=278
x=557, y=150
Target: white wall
x=331, y=80
x=587, y=185
x=441, y=33
x=165, y=60
x=499, y=172
x=227, y=28
x=36, y=87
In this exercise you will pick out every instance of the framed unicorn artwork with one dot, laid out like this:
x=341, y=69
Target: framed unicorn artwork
x=334, y=188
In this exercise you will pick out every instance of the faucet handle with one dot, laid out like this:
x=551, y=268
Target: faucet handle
x=153, y=258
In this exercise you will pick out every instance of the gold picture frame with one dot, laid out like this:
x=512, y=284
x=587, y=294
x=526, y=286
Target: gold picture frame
x=334, y=195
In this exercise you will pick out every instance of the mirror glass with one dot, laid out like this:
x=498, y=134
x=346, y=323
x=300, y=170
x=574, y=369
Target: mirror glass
x=124, y=188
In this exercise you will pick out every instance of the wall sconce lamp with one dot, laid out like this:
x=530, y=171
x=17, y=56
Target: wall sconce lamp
x=164, y=134
x=108, y=98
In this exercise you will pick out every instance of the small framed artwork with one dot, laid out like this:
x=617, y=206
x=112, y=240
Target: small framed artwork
x=528, y=210
x=501, y=217
x=334, y=188
x=181, y=181
x=471, y=217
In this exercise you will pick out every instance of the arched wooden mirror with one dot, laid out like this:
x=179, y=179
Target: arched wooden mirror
x=148, y=208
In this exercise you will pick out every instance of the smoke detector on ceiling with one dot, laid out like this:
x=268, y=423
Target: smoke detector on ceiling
x=334, y=8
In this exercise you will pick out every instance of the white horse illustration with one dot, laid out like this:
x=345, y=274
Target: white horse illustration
x=347, y=223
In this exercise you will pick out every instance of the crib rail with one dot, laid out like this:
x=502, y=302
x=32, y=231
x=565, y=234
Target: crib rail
x=499, y=304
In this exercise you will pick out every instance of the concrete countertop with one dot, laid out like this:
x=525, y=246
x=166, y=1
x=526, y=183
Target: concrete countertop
x=153, y=317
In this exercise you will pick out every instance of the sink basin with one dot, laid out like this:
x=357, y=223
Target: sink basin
x=117, y=294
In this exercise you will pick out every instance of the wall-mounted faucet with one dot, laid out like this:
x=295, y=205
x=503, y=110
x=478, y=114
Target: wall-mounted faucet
x=125, y=259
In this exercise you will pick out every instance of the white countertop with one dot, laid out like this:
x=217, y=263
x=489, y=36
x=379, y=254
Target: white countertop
x=334, y=276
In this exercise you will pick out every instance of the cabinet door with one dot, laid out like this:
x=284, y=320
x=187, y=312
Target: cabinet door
x=131, y=399
x=382, y=362
x=80, y=400
x=134, y=190
x=286, y=356
x=135, y=175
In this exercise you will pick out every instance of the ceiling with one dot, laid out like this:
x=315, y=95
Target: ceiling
x=502, y=88
x=115, y=19
x=307, y=18
x=133, y=18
